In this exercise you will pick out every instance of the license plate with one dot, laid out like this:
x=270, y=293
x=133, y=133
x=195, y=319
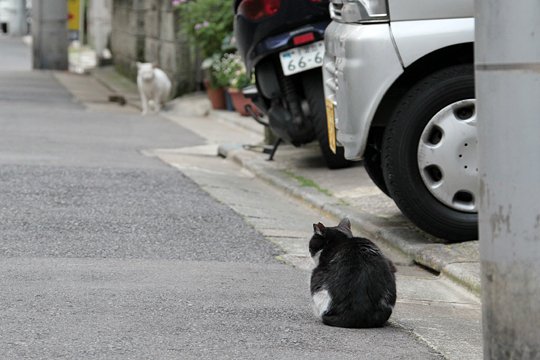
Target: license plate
x=302, y=58
x=331, y=122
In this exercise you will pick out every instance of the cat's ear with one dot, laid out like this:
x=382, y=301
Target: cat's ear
x=345, y=223
x=154, y=65
x=345, y=227
x=139, y=65
x=319, y=229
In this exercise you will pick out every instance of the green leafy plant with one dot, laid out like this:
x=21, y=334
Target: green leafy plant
x=206, y=22
x=235, y=71
x=219, y=76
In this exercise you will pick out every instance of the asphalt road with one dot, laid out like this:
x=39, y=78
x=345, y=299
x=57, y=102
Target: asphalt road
x=109, y=254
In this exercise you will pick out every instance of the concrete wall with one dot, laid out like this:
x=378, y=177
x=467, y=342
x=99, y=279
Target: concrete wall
x=49, y=35
x=148, y=31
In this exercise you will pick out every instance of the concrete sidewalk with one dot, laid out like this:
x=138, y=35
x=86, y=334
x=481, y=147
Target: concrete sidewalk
x=302, y=173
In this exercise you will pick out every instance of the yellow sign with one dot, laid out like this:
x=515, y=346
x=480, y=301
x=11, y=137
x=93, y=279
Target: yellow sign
x=74, y=14
x=330, y=120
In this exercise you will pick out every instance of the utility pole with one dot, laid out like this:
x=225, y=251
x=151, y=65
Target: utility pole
x=99, y=26
x=17, y=25
x=49, y=34
x=507, y=50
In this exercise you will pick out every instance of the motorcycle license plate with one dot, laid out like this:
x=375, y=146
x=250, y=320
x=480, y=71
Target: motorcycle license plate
x=331, y=122
x=302, y=58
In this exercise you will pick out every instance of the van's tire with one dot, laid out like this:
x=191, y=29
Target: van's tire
x=313, y=90
x=401, y=149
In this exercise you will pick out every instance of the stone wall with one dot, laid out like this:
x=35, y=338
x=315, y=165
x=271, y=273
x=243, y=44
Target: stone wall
x=148, y=31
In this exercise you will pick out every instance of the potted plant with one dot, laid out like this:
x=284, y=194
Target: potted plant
x=206, y=23
x=216, y=81
x=238, y=78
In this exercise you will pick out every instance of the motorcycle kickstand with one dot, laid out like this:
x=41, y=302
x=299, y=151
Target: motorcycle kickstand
x=274, y=149
x=254, y=115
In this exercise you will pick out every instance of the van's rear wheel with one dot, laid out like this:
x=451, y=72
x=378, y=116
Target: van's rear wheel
x=313, y=90
x=429, y=154
x=372, y=165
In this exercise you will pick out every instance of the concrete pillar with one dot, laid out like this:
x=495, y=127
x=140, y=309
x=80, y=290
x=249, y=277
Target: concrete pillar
x=99, y=25
x=17, y=24
x=49, y=33
x=508, y=91
x=13, y=17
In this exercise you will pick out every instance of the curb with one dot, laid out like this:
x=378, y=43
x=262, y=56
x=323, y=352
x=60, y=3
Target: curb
x=455, y=261
x=444, y=259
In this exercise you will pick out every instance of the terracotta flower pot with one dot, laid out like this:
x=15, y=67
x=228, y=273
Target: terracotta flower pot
x=240, y=101
x=216, y=96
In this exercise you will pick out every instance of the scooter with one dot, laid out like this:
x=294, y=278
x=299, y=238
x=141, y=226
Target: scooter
x=281, y=42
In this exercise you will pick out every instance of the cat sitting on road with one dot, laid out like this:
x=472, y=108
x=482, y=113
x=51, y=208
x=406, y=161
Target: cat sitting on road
x=353, y=284
x=154, y=87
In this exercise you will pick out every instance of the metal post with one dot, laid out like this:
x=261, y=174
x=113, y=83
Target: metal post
x=508, y=92
x=49, y=33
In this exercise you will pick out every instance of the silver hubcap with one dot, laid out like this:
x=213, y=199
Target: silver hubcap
x=447, y=156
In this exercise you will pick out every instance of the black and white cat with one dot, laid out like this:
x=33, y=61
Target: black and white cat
x=353, y=284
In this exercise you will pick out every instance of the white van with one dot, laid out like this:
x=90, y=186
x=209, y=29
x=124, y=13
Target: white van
x=399, y=88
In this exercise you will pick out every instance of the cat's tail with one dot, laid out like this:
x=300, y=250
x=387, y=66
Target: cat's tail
x=376, y=320
x=337, y=321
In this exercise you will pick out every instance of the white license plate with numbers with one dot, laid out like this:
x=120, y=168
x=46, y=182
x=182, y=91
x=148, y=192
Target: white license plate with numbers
x=302, y=58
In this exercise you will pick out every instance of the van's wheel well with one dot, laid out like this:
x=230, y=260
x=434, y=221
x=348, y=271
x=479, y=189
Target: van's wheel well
x=372, y=158
x=429, y=64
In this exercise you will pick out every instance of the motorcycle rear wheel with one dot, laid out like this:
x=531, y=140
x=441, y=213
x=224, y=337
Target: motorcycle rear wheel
x=312, y=83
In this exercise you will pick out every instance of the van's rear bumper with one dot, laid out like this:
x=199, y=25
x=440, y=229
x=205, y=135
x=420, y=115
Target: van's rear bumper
x=360, y=64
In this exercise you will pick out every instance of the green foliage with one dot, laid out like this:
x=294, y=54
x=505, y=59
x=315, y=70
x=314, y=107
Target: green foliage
x=207, y=23
x=305, y=182
x=233, y=69
x=218, y=73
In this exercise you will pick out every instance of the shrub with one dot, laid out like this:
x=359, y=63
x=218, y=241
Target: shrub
x=235, y=71
x=219, y=76
x=206, y=22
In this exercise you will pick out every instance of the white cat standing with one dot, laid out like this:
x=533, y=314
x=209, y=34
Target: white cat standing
x=154, y=87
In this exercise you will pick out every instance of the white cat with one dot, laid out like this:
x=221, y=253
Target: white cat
x=154, y=87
